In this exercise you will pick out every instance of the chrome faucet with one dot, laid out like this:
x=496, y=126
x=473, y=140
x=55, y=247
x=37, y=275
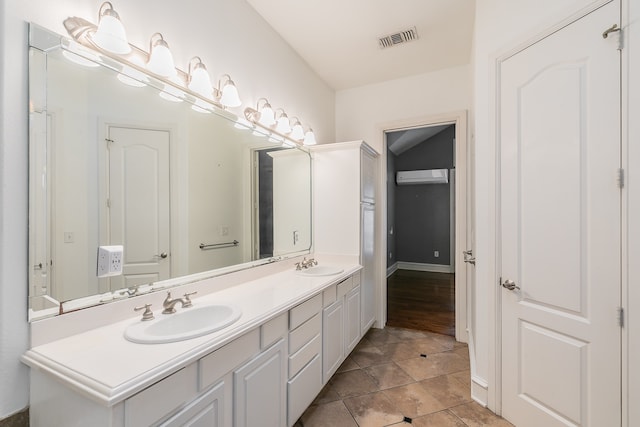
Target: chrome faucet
x=169, y=304
x=305, y=263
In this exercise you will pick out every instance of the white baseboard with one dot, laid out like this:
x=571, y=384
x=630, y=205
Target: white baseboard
x=416, y=266
x=392, y=269
x=479, y=390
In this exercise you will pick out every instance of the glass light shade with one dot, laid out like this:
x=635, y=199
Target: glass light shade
x=309, y=138
x=200, y=82
x=297, y=132
x=283, y=124
x=267, y=116
x=160, y=60
x=111, y=35
x=230, y=97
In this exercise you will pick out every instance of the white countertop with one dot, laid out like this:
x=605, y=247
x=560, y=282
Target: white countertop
x=103, y=365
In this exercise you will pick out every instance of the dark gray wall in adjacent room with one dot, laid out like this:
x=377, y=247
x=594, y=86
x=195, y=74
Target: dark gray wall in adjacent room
x=422, y=217
x=392, y=256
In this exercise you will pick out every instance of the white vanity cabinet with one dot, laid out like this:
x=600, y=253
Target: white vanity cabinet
x=344, y=197
x=341, y=323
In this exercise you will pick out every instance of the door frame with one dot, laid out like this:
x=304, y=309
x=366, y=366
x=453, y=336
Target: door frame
x=462, y=203
x=492, y=395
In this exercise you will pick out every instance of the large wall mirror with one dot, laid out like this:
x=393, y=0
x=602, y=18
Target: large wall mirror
x=187, y=193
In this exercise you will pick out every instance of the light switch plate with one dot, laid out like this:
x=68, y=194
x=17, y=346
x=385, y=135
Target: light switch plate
x=109, y=260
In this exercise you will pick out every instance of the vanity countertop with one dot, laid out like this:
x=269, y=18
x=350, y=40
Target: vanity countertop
x=102, y=364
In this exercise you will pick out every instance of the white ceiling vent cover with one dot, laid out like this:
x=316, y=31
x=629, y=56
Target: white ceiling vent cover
x=398, y=38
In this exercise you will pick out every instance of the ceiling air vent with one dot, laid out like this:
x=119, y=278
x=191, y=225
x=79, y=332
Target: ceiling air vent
x=397, y=38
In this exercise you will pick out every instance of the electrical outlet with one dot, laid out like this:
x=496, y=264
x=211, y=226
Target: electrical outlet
x=109, y=260
x=436, y=254
x=296, y=237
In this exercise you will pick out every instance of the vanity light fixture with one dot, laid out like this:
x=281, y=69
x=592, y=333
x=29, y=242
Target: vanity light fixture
x=172, y=93
x=309, y=137
x=266, y=113
x=160, y=59
x=132, y=77
x=297, y=132
x=283, y=125
x=198, y=78
x=229, y=93
x=110, y=34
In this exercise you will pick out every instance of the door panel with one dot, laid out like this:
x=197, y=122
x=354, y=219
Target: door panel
x=139, y=203
x=560, y=215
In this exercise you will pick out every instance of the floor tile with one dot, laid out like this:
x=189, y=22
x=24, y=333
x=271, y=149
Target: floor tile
x=369, y=356
x=448, y=390
x=326, y=395
x=434, y=365
x=413, y=400
x=438, y=419
x=373, y=410
x=464, y=377
x=474, y=415
x=348, y=365
x=388, y=375
x=329, y=415
x=352, y=383
x=382, y=336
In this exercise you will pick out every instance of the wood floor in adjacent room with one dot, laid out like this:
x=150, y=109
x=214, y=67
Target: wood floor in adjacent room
x=421, y=300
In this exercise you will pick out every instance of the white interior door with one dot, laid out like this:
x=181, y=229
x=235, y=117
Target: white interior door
x=139, y=203
x=561, y=231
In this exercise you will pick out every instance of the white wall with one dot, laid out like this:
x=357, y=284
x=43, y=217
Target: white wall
x=362, y=112
x=230, y=38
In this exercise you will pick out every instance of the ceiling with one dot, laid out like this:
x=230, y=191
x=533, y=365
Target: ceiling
x=339, y=38
x=400, y=141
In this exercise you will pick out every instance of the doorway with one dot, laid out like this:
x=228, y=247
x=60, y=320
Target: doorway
x=421, y=228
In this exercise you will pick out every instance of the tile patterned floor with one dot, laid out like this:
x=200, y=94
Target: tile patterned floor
x=401, y=377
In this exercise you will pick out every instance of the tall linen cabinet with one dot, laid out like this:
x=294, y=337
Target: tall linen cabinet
x=344, y=197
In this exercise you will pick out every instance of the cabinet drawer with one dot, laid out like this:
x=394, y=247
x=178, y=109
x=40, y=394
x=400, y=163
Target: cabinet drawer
x=304, y=355
x=162, y=398
x=303, y=388
x=344, y=287
x=304, y=333
x=301, y=313
x=273, y=330
x=213, y=366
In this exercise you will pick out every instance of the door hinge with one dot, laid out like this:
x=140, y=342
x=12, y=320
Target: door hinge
x=108, y=203
x=620, y=178
x=621, y=317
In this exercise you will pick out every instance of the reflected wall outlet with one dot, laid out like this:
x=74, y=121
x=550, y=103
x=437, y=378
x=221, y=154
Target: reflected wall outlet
x=109, y=261
x=436, y=254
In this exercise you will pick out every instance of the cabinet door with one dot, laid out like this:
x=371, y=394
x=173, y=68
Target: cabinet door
x=367, y=259
x=367, y=177
x=260, y=389
x=332, y=338
x=205, y=411
x=352, y=319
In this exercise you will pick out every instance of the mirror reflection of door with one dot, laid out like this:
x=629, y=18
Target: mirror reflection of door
x=138, y=203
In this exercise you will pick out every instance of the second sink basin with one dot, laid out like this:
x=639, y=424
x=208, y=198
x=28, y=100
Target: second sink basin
x=321, y=270
x=188, y=323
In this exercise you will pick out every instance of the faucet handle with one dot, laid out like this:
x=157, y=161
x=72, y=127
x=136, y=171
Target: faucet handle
x=187, y=300
x=148, y=314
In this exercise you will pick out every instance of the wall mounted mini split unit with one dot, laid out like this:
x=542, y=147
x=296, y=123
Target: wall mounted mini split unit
x=427, y=176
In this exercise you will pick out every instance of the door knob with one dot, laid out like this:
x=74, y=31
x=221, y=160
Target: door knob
x=163, y=255
x=508, y=284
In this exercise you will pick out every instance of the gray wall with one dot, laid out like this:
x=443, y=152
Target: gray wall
x=392, y=256
x=422, y=212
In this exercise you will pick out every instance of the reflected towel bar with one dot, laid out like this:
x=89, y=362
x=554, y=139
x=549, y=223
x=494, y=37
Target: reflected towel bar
x=219, y=245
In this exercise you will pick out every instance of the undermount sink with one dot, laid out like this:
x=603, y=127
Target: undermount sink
x=187, y=323
x=320, y=270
